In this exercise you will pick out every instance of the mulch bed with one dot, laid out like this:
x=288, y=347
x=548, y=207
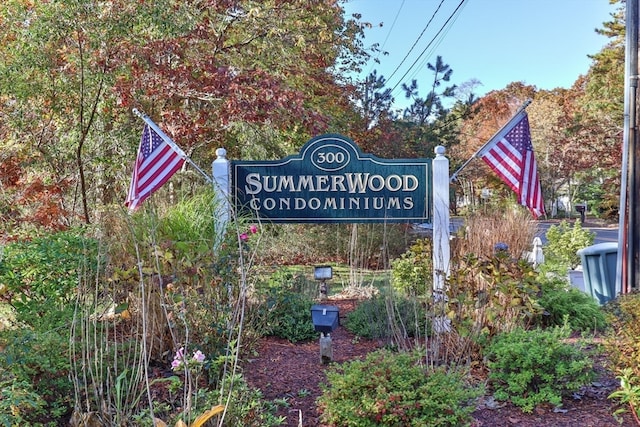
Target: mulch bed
x=294, y=372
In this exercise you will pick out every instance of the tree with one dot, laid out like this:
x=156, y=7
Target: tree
x=211, y=73
x=430, y=107
x=264, y=62
x=56, y=70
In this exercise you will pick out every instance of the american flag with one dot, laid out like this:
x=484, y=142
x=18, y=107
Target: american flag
x=510, y=155
x=158, y=159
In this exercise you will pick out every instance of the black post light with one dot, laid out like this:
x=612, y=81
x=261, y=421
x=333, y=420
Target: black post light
x=325, y=318
x=322, y=273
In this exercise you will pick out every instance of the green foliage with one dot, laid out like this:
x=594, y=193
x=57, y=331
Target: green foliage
x=563, y=243
x=371, y=319
x=42, y=275
x=247, y=406
x=490, y=295
x=190, y=226
x=537, y=366
x=413, y=271
x=623, y=338
x=287, y=244
x=40, y=279
x=170, y=284
x=628, y=393
x=285, y=310
x=562, y=303
x=393, y=389
x=37, y=364
x=18, y=402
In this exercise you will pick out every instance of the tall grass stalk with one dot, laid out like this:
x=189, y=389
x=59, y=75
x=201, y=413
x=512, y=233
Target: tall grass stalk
x=483, y=231
x=486, y=292
x=168, y=284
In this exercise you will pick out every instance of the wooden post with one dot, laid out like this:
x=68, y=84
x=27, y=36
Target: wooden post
x=326, y=349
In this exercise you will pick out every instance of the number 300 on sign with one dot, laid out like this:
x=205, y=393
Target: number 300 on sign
x=331, y=160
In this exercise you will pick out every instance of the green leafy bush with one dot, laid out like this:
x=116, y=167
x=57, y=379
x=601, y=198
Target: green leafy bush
x=563, y=243
x=395, y=389
x=537, y=366
x=413, y=271
x=623, y=339
x=39, y=279
x=628, y=393
x=562, y=303
x=371, y=318
x=246, y=407
x=488, y=295
x=18, y=402
x=39, y=363
x=284, y=309
x=42, y=275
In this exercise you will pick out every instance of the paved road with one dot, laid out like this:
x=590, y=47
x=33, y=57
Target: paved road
x=604, y=232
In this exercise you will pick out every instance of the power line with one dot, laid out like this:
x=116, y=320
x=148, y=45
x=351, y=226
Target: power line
x=430, y=43
x=417, y=40
x=438, y=43
x=392, y=25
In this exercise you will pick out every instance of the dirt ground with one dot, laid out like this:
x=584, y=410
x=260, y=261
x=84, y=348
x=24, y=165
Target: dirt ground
x=294, y=371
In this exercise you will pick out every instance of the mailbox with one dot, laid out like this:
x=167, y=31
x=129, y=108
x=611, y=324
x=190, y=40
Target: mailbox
x=582, y=209
x=325, y=318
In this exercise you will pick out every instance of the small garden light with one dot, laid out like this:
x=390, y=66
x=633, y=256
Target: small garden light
x=323, y=273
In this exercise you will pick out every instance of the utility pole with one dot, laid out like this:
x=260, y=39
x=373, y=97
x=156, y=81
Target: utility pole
x=629, y=234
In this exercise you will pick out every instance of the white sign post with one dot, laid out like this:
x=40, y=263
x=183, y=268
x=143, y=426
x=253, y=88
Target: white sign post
x=441, y=219
x=221, y=186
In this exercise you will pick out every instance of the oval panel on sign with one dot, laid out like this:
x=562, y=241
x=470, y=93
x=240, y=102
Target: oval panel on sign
x=330, y=158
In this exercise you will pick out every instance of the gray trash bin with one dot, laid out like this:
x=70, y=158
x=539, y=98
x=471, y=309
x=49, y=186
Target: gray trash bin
x=599, y=267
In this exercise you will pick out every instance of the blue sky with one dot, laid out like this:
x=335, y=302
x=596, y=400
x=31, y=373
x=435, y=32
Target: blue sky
x=544, y=43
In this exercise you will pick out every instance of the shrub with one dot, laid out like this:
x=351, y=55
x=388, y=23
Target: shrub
x=246, y=407
x=18, y=402
x=392, y=389
x=413, y=271
x=490, y=295
x=42, y=275
x=628, y=394
x=562, y=303
x=284, y=309
x=37, y=364
x=371, y=318
x=39, y=279
x=563, y=243
x=623, y=339
x=537, y=366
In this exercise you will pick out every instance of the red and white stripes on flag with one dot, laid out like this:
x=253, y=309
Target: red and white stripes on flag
x=510, y=155
x=158, y=159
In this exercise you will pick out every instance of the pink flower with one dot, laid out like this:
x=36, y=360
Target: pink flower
x=244, y=237
x=253, y=229
x=178, y=359
x=198, y=356
x=180, y=353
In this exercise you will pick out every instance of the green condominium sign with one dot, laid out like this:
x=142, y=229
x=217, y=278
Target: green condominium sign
x=331, y=180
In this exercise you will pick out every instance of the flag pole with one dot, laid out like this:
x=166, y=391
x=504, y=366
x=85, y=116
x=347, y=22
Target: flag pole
x=497, y=135
x=172, y=144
